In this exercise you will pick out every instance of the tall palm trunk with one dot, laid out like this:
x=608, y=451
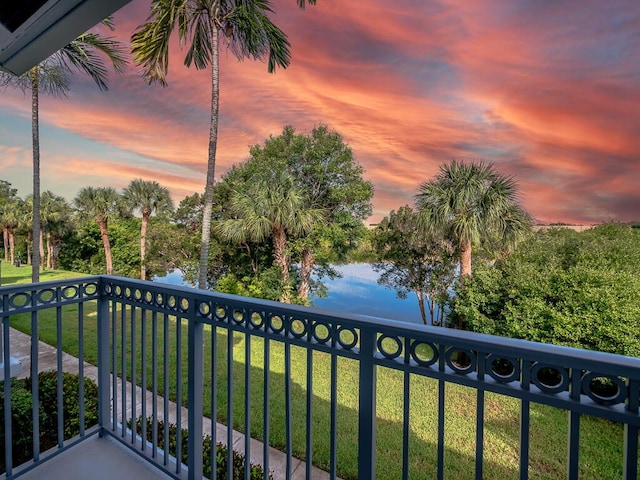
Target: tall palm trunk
x=5, y=239
x=282, y=260
x=143, y=244
x=107, y=245
x=41, y=247
x=49, y=250
x=35, y=137
x=306, y=267
x=211, y=162
x=12, y=246
x=465, y=259
x=55, y=250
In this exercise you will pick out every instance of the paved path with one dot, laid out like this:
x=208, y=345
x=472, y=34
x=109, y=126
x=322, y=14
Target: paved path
x=47, y=360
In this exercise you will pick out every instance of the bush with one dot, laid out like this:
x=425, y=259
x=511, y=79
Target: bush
x=22, y=408
x=256, y=473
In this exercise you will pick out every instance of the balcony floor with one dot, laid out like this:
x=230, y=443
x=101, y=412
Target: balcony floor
x=99, y=459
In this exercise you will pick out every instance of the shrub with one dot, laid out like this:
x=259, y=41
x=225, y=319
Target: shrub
x=256, y=471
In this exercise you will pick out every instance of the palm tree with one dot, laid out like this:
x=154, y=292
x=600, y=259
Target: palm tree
x=248, y=32
x=55, y=215
x=150, y=197
x=275, y=208
x=52, y=76
x=472, y=203
x=102, y=204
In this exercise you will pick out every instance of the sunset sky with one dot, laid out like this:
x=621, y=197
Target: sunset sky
x=549, y=91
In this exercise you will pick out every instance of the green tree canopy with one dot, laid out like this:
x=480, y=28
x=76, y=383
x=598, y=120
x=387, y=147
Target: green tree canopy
x=561, y=286
x=473, y=203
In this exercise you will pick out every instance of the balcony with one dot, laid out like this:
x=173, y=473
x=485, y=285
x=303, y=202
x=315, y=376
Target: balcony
x=306, y=381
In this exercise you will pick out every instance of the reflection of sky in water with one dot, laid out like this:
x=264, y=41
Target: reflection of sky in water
x=356, y=292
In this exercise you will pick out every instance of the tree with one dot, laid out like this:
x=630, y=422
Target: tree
x=56, y=222
x=248, y=31
x=410, y=261
x=563, y=287
x=275, y=208
x=52, y=76
x=8, y=195
x=323, y=166
x=149, y=197
x=472, y=203
x=101, y=204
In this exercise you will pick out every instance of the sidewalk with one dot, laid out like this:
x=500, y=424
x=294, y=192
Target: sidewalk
x=47, y=360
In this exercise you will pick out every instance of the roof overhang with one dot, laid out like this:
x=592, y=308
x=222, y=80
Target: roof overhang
x=32, y=30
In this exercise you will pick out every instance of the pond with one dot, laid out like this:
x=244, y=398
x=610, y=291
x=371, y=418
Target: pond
x=357, y=291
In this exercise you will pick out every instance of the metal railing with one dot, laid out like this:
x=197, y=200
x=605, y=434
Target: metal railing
x=215, y=354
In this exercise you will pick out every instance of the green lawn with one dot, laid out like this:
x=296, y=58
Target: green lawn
x=601, y=441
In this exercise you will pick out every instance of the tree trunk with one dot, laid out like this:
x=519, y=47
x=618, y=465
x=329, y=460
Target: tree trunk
x=143, y=244
x=5, y=238
x=55, y=250
x=29, y=246
x=12, y=246
x=35, y=137
x=107, y=246
x=41, y=248
x=306, y=267
x=211, y=162
x=49, y=250
x=282, y=260
x=423, y=314
x=465, y=259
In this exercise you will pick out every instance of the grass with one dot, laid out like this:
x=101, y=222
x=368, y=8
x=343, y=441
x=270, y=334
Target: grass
x=601, y=441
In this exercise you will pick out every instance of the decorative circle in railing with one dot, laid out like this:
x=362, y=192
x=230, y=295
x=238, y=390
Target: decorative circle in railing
x=90, y=288
x=604, y=389
x=424, y=354
x=297, y=327
x=238, y=316
x=46, y=296
x=550, y=378
x=184, y=304
x=19, y=300
x=256, y=319
x=171, y=302
x=118, y=290
x=204, y=309
x=108, y=289
x=70, y=292
x=389, y=347
x=220, y=313
x=461, y=361
x=137, y=294
x=159, y=300
x=502, y=369
x=321, y=332
x=148, y=298
x=347, y=337
x=276, y=324
x=127, y=293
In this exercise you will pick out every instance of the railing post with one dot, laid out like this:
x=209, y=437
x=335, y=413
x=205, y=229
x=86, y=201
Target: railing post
x=630, y=458
x=367, y=406
x=195, y=372
x=104, y=392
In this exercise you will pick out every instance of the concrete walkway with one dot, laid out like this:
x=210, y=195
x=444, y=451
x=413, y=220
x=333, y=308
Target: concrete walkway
x=47, y=360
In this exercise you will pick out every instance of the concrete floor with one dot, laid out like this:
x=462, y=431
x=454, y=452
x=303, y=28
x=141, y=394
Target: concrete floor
x=96, y=459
